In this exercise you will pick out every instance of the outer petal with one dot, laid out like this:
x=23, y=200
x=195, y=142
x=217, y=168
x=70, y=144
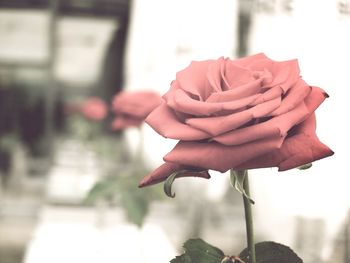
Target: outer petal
x=301, y=148
x=165, y=122
x=315, y=98
x=165, y=170
x=215, y=156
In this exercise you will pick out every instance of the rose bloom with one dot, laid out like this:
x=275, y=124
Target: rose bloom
x=131, y=108
x=248, y=113
x=93, y=109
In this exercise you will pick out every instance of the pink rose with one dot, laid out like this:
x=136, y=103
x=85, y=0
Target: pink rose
x=131, y=108
x=93, y=108
x=247, y=113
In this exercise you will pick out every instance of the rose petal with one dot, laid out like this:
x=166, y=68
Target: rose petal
x=283, y=122
x=247, y=61
x=165, y=122
x=237, y=104
x=182, y=102
x=286, y=73
x=216, y=75
x=265, y=108
x=248, y=89
x=191, y=79
x=237, y=75
x=293, y=97
x=310, y=147
x=165, y=170
x=248, y=134
x=315, y=98
x=277, y=126
x=268, y=95
x=215, y=156
x=221, y=124
x=301, y=148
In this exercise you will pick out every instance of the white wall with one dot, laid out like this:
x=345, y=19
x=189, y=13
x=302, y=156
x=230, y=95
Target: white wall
x=318, y=35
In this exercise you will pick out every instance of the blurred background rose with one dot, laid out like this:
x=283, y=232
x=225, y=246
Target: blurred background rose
x=132, y=108
x=94, y=109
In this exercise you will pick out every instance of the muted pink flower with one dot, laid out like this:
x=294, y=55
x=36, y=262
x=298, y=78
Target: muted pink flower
x=248, y=113
x=93, y=108
x=132, y=108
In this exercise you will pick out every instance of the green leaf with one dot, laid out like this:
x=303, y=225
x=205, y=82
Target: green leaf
x=197, y=250
x=182, y=259
x=103, y=189
x=305, y=166
x=237, y=178
x=271, y=252
x=122, y=188
x=136, y=206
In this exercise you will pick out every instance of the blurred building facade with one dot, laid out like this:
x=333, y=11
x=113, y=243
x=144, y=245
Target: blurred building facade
x=56, y=51
x=51, y=52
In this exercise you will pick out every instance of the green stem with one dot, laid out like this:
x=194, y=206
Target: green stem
x=249, y=219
